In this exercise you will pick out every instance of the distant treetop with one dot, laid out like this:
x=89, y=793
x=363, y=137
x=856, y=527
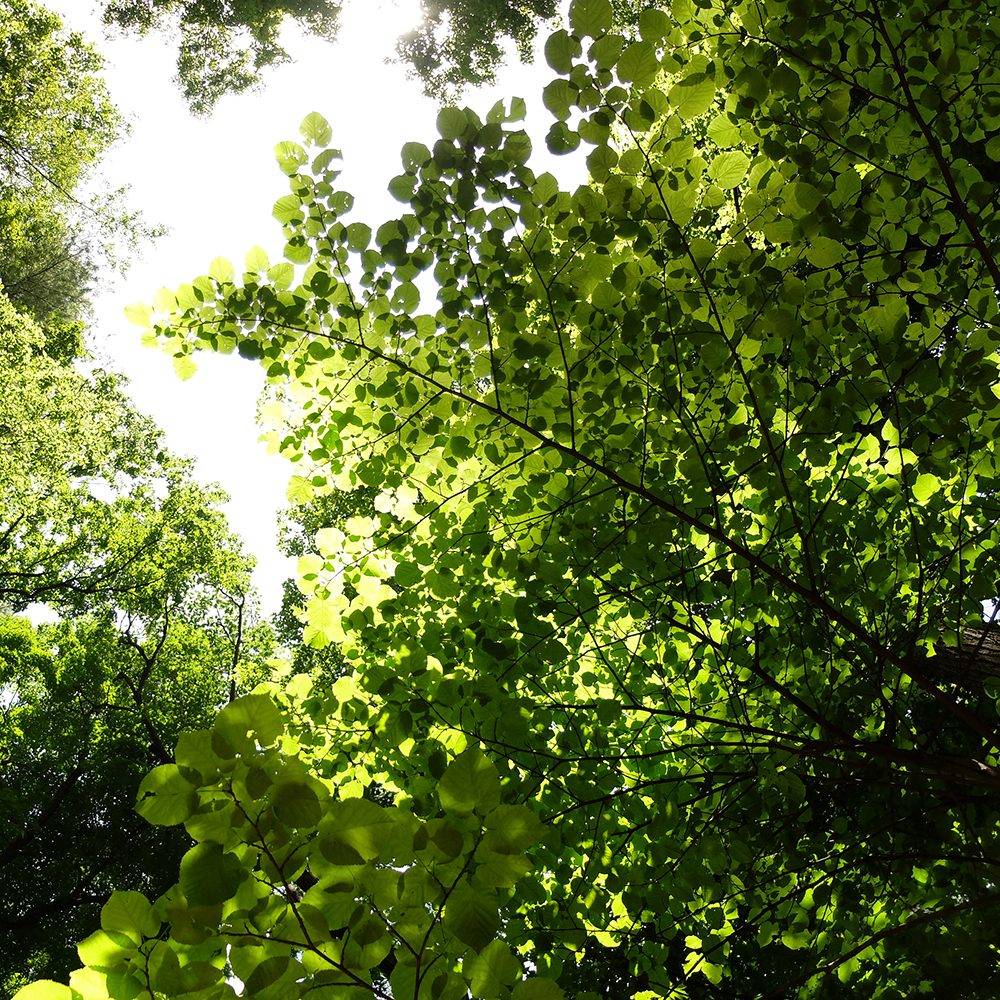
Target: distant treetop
x=226, y=43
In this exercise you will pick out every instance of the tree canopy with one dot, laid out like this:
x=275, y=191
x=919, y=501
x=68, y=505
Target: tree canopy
x=458, y=43
x=101, y=523
x=57, y=122
x=223, y=45
x=683, y=481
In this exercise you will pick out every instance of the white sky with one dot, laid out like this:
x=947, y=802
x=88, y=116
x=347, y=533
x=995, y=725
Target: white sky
x=213, y=183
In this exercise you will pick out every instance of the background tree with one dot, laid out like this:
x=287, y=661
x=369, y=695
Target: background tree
x=459, y=43
x=56, y=122
x=101, y=523
x=224, y=45
x=667, y=528
x=297, y=528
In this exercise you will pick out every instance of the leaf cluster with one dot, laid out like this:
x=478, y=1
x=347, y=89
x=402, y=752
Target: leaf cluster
x=684, y=480
x=304, y=886
x=223, y=48
x=56, y=122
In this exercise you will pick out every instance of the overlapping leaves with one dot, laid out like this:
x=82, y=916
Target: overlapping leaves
x=680, y=483
x=304, y=887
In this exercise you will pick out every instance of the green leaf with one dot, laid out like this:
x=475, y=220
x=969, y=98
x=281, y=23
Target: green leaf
x=601, y=162
x=99, y=984
x=503, y=869
x=256, y=260
x=253, y=955
x=683, y=11
x=165, y=797
x=606, y=51
x=925, y=487
x=209, y=875
x=322, y=163
x=724, y=132
x=693, y=96
x=184, y=367
x=802, y=198
x=281, y=275
x=315, y=129
x=252, y=718
x=561, y=49
x=638, y=64
x=360, y=825
x=498, y=113
x=359, y=236
x=300, y=490
x=221, y=270
x=194, y=752
x=654, y=25
x=472, y=916
x=401, y=187
x=406, y=298
x=561, y=140
x=139, y=313
x=590, y=17
x=295, y=803
x=824, y=252
x=517, y=147
x=164, y=969
x=537, y=988
x=546, y=188
x=288, y=210
x=45, y=989
x=451, y=123
x=494, y=966
x=559, y=97
x=512, y=829
x=753, y=83
x=290, y=156
x=250, y=349
x=415, y=155
x=729, y=169
x=796, y=939
x=471, y=783
x=105, y=949
x=993, y=148
x=298, y=251
x=130, y=913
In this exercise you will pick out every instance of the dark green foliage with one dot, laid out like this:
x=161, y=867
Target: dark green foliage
x=56, y=122
x=460, y=42
x=224, y=44
x=101, y=523
x=683, y=481
x=297, y=530
x=73, y=753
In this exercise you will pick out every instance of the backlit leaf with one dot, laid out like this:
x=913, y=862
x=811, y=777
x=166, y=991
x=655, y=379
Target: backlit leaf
x=209, y=875
x=451, y=123
x=165, y=797
x=471, y=782
x=693, y=96
x=315, y=129
x=472, y=916
x=729, y=169
x=590, y=17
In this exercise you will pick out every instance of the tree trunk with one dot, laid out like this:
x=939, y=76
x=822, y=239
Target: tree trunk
x=971, y=663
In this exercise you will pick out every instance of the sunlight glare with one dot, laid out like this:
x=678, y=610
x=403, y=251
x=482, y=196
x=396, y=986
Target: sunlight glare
x=379, y=24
